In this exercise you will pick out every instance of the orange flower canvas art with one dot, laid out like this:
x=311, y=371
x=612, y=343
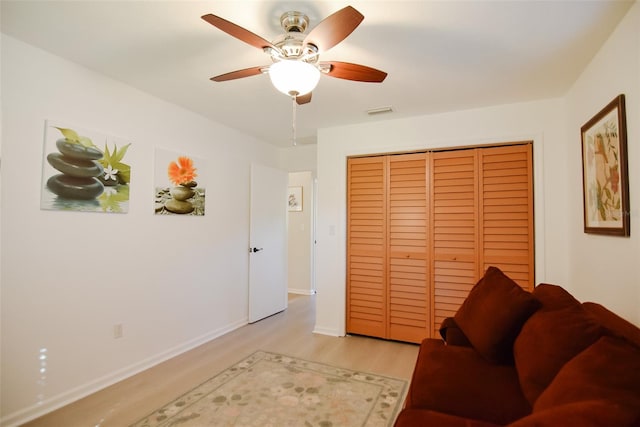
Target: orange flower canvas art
x=178, y=189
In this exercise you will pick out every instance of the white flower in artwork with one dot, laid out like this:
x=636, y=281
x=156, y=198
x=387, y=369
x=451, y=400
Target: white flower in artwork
x=110, y=173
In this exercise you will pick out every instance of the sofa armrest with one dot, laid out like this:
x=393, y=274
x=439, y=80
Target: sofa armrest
x=452, y=334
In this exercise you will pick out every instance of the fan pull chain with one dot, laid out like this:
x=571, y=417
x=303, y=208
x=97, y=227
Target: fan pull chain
x=293, y=121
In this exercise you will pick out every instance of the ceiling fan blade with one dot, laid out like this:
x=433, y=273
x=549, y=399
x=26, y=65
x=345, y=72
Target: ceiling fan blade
x=239, y=74
x=359, y=73
x=334, y=28
x=237, y=32
x=303, y=99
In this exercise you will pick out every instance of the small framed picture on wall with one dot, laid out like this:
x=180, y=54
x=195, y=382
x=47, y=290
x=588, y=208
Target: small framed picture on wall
x=294, y=201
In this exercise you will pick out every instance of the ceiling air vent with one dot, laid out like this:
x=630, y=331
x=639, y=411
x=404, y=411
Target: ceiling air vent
x=379, y=110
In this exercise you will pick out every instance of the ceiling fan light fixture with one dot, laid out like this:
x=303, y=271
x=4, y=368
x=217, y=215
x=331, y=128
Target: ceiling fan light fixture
x=293, y=77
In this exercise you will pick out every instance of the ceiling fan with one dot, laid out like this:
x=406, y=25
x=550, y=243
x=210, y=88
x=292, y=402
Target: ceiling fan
x=295, y=68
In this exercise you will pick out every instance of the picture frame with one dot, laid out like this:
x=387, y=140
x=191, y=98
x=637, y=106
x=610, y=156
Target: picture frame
x=605, y=176
x=179, y=183
x=294, y=199
x=84, y=170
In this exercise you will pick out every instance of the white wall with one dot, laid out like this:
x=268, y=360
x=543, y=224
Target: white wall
x=605, y=268
x=543, y=122
x=299, y=158
x=300, y=236
x=68, y=277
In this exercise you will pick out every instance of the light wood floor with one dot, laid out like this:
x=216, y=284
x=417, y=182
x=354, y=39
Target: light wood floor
x=289, y=332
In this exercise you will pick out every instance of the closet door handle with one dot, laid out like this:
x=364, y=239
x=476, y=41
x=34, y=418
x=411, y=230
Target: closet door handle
x=255, y=249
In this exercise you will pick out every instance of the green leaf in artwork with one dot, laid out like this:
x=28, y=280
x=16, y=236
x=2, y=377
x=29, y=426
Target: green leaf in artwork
x=111, y=201
x=119, y=155
x=114, y=159
x=107, y=156
x=124, y=173
x=70, y=134
x=85, y=142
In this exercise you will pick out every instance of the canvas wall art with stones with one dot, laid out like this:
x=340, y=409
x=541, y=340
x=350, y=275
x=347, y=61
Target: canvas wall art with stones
x=84, y=170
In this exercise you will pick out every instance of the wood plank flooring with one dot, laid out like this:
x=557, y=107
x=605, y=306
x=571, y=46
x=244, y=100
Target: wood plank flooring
x=289, y=332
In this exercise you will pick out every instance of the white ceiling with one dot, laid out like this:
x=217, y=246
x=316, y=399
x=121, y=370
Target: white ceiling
x=440, y=55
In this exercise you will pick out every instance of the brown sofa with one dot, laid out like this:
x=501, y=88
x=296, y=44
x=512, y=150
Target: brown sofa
x=510, y=357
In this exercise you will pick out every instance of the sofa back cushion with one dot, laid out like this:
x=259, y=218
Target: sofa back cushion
x=609, y=370
x=554, y=297
x=550, y=338
x=493, y=313
x=616, y=325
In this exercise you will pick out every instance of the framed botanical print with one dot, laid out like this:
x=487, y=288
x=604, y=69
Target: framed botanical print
x=605, y=172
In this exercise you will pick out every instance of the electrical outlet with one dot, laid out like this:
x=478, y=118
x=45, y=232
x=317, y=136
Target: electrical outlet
x=117, y=330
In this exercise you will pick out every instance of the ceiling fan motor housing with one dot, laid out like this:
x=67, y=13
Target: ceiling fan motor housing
x=291, y=43
x=294, y=21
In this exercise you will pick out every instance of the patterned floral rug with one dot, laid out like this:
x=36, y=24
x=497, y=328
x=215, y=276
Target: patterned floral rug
x=268, y=389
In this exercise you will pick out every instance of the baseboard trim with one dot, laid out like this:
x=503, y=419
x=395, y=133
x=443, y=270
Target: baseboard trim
x=327, y=331
x=56, y=402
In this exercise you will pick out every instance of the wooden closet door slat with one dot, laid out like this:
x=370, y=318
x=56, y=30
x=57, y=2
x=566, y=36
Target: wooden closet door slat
x=506, y=187
x=366, y=247
x=407, y=250
x=454, y=225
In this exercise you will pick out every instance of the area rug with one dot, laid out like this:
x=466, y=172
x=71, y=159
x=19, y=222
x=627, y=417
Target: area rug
x=268, y=389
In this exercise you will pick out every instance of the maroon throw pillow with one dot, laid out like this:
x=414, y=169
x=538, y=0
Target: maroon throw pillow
x=493, y=313
x=548, y=340
x=452, y=334
x=608, y=370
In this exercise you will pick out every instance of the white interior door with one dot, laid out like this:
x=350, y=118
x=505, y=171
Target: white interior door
x=268, y=242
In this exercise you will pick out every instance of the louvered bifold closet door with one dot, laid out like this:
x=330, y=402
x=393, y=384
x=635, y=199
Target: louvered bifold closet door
x=454, y=224
x=408, y=254
x=366, y=246
x=507, y=212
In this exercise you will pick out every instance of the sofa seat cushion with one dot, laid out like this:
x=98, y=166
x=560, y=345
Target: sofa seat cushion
x=594, y=413
x=458, y=381
x=548, y=340
x=493, y=313
x=609, y=370
x=428, y=418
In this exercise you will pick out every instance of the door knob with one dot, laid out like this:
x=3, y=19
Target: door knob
x=255, y=249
